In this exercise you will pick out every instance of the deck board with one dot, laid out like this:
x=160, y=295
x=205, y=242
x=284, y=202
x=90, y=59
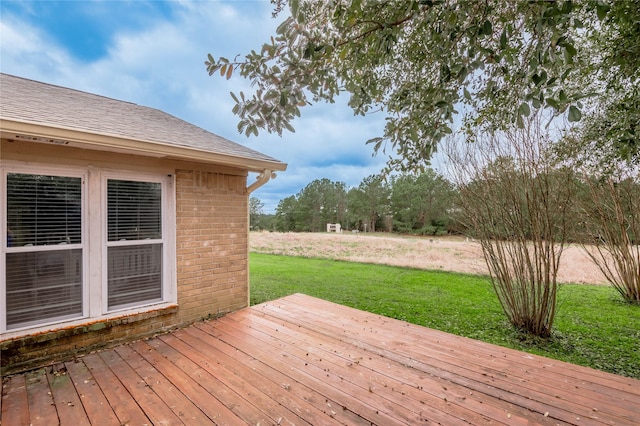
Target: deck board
x=65, y=397
x=15, y=404
x=93, y=400
x=157, y=410
x=124, y=406
x=304, y=361
x=41, y=404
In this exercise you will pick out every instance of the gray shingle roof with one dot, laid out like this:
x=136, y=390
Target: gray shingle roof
x=30, y=101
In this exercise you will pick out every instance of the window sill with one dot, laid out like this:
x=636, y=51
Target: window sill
x=87, y=325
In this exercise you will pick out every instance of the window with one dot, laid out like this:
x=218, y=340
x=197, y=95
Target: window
x=44, y=248
x=134, y=242
x=83, y=244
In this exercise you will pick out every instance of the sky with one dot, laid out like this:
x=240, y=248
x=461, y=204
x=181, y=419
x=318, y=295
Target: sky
x=153, y=52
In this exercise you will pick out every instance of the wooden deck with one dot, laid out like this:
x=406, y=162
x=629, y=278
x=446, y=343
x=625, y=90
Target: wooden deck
x=301, y=360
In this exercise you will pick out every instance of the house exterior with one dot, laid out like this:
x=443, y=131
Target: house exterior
x=121, y=221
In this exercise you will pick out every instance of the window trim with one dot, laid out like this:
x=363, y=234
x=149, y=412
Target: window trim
x=167, y=200
x=45, y=170
x=94, y=237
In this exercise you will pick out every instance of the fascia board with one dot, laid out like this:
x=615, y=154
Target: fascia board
x=89, y=140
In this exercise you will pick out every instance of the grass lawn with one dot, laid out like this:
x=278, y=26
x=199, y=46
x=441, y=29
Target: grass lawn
x=593, y=326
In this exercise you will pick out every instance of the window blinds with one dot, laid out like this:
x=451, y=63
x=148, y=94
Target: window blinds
x=43, y=210
x=134, y=210
x=43, y=248
x=134, y=270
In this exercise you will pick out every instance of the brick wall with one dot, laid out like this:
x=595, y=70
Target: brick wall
x=211, y=244
x=36, y=350
x=211, y=270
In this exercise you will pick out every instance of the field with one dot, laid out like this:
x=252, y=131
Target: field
x=453, y=254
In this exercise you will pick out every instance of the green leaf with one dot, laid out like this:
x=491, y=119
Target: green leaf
x=289, y=127
x=377, y=143
x=282, y=28
x=537, y=79
x=487, y=29
x=574, y=114
x=467, y=94
x=602, y=9
x=563, y=96
x=503, y=39
x=524, y=109
x=295, y=5
x=571, y=50
x=308, y=51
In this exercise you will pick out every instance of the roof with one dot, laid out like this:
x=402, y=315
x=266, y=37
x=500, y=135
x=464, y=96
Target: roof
x=41, y=112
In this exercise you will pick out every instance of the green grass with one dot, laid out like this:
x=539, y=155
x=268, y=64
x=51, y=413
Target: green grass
x=593, y=326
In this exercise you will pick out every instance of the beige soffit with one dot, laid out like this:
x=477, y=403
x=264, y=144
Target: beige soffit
x=39, y=112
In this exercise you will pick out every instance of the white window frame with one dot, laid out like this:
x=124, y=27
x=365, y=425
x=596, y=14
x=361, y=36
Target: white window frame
x=94, y=241
x=84, y=246
x=166, y=184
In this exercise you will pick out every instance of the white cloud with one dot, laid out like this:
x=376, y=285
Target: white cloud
x=24, y=51
x=161, y=65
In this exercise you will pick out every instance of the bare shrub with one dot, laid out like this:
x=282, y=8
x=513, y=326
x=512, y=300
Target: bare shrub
x=612, y=225
x=516, y=203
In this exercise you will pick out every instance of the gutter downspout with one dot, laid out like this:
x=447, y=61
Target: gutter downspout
x=261, y=179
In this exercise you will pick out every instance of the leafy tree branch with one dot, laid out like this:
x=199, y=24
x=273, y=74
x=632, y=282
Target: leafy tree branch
x=419, y=62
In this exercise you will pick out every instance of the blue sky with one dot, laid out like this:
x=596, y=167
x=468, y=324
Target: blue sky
x=153, y=52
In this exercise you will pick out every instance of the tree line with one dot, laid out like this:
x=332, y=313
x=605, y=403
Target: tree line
x=409, y=203
x=431, y=204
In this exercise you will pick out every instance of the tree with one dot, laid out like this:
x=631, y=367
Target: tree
x=611, y=126
x=255, y=210
x=286, y=214
x=320, y=202
x=518, y=202
x=421, y=202
x=617, y=118
x=605, y=148
x=369, y=202
x=418, y=61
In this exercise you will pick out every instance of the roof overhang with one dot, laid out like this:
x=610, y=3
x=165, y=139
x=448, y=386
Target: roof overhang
x=35, y=132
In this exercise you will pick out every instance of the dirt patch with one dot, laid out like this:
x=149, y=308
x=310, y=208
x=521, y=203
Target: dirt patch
x=454, y=254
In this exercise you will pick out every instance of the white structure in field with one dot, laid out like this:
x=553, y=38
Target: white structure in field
x=333, y=227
